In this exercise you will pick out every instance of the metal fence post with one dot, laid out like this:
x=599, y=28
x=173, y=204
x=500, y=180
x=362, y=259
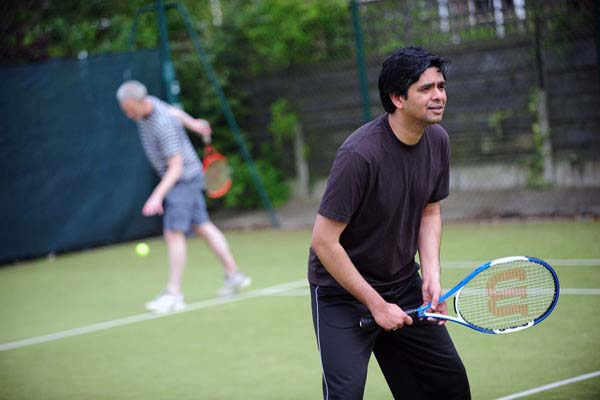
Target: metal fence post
x=228, y=114
x=173, y=88
x=597, y=29
x=360, y=61
x=168, y=70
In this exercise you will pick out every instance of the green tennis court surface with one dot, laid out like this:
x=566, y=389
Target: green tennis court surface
x=90, y=337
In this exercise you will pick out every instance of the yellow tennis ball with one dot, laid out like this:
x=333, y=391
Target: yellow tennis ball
x=142, y=249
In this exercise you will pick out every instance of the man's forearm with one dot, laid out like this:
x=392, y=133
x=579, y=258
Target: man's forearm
x=182, y=115
x=387, y=315
x=430, y=236
x=166, y=183
x=199, y=126
x=170, y=178
x=338, y=264
x=326, y=244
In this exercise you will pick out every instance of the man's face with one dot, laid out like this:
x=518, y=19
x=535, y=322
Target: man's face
x=426, y=98
x=134, y=109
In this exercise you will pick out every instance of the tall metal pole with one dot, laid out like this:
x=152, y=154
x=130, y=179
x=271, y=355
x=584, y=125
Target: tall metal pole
x=542, y=106
x=597, y=28
x=360, y=61
x=166, y=65
x=173, y=89
x=228, y=114
x=127, y=74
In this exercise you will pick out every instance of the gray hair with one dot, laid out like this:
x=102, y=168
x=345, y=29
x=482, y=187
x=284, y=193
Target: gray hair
x=131, y=89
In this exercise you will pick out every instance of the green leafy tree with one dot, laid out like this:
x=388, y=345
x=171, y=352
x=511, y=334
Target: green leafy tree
x=256, y=37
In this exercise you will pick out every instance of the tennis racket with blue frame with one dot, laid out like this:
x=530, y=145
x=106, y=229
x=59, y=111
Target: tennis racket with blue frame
x=502, y=296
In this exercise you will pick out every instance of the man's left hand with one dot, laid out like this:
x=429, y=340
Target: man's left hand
x=431, y=293
x=201, y=126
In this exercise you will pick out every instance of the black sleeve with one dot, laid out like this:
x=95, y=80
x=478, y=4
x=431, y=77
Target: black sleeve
x=346, y=186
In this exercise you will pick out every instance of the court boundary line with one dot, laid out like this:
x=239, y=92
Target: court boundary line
x=580, y=291
x=550, y=386
x=273, y=290
x=115, y=323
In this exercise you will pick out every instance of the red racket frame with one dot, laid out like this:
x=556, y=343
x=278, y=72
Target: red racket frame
x=210, y=156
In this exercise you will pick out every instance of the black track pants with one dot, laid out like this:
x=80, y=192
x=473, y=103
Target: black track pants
x=419, y=362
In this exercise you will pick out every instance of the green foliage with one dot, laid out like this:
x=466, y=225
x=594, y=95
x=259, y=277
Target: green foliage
x=256, y=37
x=243, y=193
x=284, y=127
x=38, y=30
x=272, y=35
x=259, y=37
x=497, y=118
x=283, y=122
x=535, y=161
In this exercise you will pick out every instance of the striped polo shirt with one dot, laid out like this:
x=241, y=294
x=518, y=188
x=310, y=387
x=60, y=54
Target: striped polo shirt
x=163, y=136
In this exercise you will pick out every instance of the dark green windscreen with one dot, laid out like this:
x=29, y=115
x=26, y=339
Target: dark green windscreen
x=72, y=170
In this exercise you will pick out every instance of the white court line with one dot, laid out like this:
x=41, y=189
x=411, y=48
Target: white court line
x=274, y=290
x=576, y=262
x=551, y=386
x=149, y=316
x=581, y=292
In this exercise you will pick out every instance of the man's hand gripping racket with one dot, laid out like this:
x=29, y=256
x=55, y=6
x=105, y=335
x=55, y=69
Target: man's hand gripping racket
x=502, y=296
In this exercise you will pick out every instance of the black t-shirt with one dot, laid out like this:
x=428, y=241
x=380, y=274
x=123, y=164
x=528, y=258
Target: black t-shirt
x=379, y=187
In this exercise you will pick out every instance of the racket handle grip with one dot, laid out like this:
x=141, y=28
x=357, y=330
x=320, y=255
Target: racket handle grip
x=367, y=322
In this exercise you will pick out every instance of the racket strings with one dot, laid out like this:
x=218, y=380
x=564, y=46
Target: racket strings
x=507, y=295
x=217, y=175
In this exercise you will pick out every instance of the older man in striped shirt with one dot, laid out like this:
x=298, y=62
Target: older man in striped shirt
x=161, y=131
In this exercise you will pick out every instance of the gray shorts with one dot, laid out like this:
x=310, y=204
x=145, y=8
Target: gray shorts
x=185, y=207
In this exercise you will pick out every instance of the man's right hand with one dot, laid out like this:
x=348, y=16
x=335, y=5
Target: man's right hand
x=153, y=206
x=390, y=317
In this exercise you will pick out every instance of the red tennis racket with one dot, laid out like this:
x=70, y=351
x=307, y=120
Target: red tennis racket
x=217, y=173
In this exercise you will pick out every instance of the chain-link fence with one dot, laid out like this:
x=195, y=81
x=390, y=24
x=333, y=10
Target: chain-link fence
x=523, y=91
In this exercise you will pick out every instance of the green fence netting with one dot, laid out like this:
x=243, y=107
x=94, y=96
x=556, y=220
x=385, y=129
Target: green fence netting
x=72, y=171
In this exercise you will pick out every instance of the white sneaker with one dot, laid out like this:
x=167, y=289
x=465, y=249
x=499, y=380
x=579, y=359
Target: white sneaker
x=234, y=284
x=166, y=302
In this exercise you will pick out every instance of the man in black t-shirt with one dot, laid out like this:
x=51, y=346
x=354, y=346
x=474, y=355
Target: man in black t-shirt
x=381, y=206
